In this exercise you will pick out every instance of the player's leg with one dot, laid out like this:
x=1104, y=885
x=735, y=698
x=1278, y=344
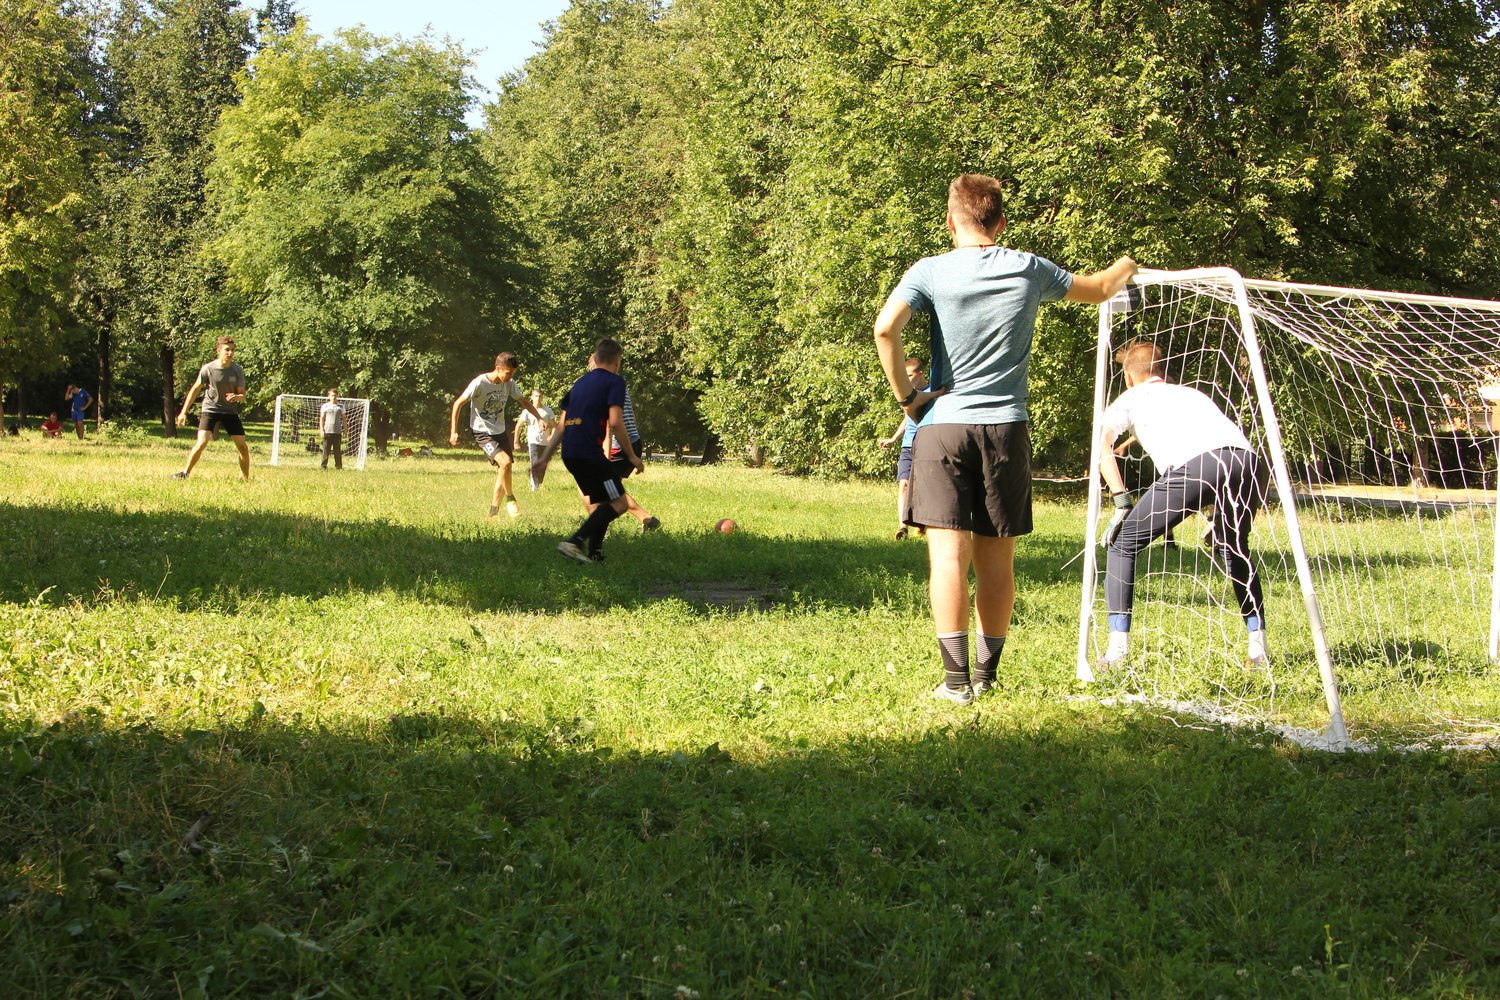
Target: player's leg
x=206, y=424
x=244, y=449
x=607, y=495
x=504, y=461
x=994, y=603
x=338, y=451
x=903, y=491
x=1161, y=508
x=1002, y=515
x=945, y=483
x=327, y=445
x=1237, y=498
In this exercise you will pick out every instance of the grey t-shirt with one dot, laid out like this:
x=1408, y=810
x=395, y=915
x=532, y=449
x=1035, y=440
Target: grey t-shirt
x=331, y=416
x=983, y=304
x=218, y=382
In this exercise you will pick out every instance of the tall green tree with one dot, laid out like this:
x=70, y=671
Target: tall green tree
x=365, y=245
x=1350, y=143
x=173, y=69
x=44, y=85
x=587, y=137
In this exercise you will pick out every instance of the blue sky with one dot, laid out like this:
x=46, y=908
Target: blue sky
x=507, y=31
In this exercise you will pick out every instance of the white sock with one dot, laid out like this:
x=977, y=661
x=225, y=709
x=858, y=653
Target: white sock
x=1119, y=645
x=1256, y=648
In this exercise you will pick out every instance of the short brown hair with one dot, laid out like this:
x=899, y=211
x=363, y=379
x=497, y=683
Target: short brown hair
x=976, y=200
x=1142, y=358
x=226, y=339
x=506, y=359
x=607, y=351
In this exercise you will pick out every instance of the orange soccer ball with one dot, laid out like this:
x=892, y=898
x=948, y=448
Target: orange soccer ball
x=725, y=526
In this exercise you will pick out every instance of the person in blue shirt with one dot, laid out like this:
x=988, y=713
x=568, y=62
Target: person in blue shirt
x=81, y=400
x=971, y=463
x=593, y=410
x=907, y=435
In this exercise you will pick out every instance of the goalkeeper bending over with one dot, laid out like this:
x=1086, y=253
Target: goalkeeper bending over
x=1206, y=460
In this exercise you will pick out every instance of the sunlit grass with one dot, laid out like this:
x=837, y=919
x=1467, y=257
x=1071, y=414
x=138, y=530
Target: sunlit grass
x=437, y=758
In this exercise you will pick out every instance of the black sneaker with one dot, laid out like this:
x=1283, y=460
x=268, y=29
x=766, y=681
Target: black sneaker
x=179, y=475
x=596, y=557
x=572, y=550
x=650, y=524
x=982, y=687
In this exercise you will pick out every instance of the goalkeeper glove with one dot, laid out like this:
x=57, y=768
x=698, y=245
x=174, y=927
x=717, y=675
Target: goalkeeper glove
x=1124, y=503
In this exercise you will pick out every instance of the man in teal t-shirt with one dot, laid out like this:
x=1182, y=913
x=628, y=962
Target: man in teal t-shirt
x=971, y=462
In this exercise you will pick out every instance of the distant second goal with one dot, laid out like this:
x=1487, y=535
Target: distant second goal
x=297, y=434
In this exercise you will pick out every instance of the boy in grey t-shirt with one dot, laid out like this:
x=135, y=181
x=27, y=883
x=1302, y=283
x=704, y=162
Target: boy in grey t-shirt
x=971, y=461
x=223, y=383
x=489, y=396
x=331, y=423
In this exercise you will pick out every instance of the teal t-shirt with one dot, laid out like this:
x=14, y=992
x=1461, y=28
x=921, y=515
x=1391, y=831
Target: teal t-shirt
x=983, y=304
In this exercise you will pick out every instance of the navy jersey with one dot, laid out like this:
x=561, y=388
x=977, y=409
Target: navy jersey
x=586, y=406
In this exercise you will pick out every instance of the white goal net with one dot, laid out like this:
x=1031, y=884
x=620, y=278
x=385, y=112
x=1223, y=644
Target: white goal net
x=1376, y=414
x=297, y=433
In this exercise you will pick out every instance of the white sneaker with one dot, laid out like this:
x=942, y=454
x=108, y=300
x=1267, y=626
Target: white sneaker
x=573, y=550
x=959, y=696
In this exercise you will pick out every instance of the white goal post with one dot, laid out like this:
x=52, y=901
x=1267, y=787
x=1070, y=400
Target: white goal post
x=1377, y=542
x=297, y=437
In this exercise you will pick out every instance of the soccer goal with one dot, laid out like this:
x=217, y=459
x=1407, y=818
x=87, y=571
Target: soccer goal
x=297, y=435
x=1377, y=414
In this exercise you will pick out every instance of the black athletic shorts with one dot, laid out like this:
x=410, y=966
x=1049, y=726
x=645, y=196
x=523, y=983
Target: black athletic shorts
x=596, y=477
x=972, y=477
x=229, y=423
x=493, y=444
x=621, y=464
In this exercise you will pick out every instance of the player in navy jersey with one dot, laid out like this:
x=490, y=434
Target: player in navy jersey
x=593, y=410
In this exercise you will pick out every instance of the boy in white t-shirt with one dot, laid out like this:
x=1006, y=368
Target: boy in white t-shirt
x=1205, y=460
x=489, y=397
x=537, y=428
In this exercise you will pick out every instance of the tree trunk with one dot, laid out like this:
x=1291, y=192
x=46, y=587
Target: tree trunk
x=106, y=375
x=380, y=426
x=710, y=449
x=20, y=405
x=169, y=390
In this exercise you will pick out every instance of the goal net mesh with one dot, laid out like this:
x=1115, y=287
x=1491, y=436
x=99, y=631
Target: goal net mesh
x=297, y=435
x=1386, y=412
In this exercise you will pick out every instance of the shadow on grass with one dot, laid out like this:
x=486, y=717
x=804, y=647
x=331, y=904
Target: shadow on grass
x=192, y=560
x=430, y=855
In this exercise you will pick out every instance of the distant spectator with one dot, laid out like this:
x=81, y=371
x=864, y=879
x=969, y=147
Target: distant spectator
x=52, y=427
x=81, y=400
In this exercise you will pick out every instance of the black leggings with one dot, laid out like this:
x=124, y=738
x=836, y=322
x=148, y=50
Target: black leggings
x=1228, y=478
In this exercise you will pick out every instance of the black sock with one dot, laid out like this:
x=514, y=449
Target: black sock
x=987, y=663
x=955, y=649
x=595, y=525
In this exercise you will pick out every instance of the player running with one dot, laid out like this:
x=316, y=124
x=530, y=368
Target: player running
x=224, y=392
x=489, y=397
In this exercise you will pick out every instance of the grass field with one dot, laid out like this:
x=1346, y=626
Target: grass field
x=341, y=735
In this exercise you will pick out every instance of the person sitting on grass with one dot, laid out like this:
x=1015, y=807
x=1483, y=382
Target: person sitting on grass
x=489, y=395
x=52, y=427
x=591, y=411
x=223, y=385
x=1205, y=460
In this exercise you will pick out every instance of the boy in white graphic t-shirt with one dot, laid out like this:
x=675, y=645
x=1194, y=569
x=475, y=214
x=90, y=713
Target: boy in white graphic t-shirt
x=489, y=397
x=1204, y=460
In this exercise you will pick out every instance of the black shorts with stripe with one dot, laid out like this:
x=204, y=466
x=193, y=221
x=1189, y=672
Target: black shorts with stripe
x=597, y=477
x=972, y=477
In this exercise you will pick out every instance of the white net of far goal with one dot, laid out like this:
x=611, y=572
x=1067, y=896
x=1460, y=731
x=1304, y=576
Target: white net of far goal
x=1376, y=416
x=297, y=433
